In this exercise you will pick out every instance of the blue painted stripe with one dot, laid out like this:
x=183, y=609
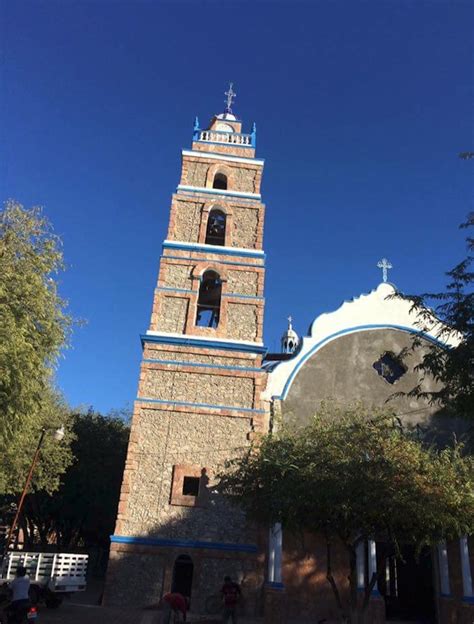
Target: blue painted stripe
x=208, y=344
x=188, y=291
x=200, y=153
x=243, y=296
x=221, y=193
x=229, y=262
x=246, y=369
x=468, y=599
x=343, y=332
x=206, y=405
x=226, y=251
x=221, y=143
x=275, y=585
x=254, y=266
x=174, y=543
x=180, y=290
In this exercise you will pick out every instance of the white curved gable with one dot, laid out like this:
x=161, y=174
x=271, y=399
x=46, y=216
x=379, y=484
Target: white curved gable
x=365, y=313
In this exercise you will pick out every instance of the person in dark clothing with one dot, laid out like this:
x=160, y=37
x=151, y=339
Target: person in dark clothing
x=231, y=595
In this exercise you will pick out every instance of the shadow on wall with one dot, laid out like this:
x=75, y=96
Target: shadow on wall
x=188, y=554
x=141, y=570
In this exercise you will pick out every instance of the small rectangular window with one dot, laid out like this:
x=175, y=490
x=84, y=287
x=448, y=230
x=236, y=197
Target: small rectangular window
x=190, y=486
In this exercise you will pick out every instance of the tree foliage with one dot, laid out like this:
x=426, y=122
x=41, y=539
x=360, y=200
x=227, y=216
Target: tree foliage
x=453, y=367
x=353, y=474
x=83, y=511
x=17, y=452
x=34, y=324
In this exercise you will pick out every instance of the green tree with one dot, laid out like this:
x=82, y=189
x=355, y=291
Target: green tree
x=83, y=511
x=453, y=367
x=368, y=479
x=34, y=324
x=17, y=452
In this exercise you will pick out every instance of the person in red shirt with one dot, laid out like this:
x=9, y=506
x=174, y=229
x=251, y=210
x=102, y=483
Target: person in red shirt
x=231, y=596
x=174, y=603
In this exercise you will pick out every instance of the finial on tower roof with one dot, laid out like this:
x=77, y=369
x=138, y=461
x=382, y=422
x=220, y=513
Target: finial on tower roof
x=231, y=95
x=289, y=340
x=384, y=264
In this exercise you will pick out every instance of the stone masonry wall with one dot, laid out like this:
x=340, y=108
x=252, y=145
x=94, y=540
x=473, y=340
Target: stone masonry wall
x=162, y=439
x=196, y=174
x=242, y=282
x=187, y=221
x=242, y=321
x=142, y=572
x=244, y=180
x=199, y=387
x=178, y=276
x=245, y=227
x=164, y=352
x=172, y=314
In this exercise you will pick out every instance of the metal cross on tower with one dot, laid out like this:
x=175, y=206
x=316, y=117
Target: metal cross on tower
x=231, y=95
x=384, y=264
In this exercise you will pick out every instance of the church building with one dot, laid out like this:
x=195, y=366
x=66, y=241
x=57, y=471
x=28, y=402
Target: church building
x=208, y=387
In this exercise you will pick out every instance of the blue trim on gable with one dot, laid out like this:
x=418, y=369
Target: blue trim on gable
x=174, y=543
x=343, y=332
x=209, y=344
x=206, y=405
x=226, y=251
x=245, y=369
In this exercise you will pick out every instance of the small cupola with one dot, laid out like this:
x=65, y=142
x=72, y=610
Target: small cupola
x=289, y=340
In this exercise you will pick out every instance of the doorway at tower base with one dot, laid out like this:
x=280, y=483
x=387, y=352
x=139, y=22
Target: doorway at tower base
x=138, y=576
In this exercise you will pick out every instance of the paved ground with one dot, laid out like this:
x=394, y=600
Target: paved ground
x=69, y=613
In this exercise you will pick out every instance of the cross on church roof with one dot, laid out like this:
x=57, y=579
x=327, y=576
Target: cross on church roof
x=231, y=95
x=384, y=264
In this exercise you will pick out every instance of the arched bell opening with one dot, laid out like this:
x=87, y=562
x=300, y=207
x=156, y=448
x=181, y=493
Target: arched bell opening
x=220, y=181
x=209, y=300
x=216, y=225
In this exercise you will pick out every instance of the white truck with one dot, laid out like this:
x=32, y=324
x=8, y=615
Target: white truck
x=52, y=575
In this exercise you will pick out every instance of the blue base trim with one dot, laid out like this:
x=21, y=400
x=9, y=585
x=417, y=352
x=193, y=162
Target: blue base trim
x=468, y=599
x=226, y=251
x=207, y=344
x=246, y=369
x=274, y=585
x=375, y=592
x=156, y=541
x=446, y=595
x=206, y=405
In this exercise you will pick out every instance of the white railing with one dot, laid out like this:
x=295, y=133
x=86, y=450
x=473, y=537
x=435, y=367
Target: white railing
x=216, y=136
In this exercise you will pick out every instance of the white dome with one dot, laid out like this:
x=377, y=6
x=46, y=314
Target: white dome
x=228, y=116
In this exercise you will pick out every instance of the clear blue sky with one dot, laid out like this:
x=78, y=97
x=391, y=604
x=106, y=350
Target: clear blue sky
x=361, y=109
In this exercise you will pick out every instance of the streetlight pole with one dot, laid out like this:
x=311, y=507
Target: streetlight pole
x=58, y=435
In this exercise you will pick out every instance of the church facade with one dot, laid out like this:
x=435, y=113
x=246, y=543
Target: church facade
x=208, y=388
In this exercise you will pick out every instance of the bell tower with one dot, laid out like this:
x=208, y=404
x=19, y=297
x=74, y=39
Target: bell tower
x=198, y=402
